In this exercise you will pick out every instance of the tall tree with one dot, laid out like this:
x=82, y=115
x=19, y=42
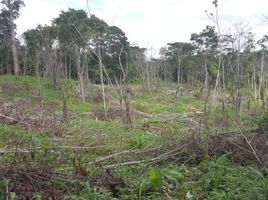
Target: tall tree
x=73, y=32
x=206, y=43
x=10, y=11
x=35, y=43
x=4, y=44
x=175, y=53
x=116, y=49
x=263, y=43
x=215, y=18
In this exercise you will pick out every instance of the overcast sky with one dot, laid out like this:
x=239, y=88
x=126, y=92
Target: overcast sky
x=152, y=23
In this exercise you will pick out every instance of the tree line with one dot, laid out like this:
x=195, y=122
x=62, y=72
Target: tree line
x=73, y=46
x=81, y=46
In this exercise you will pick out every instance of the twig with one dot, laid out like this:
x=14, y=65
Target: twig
x=170, y=114
x=251, y=147
x=29, y=150
x=10, y=118
x=152, y=161
x=124, y=164
x=121, y=153
x=237, y=145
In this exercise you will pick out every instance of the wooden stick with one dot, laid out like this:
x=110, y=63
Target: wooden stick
x=10, y=118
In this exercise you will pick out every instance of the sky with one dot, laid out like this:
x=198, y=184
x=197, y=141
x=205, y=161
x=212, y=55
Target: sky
x=153, y=23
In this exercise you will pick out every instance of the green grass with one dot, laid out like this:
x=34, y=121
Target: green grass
x=163, y=103
x=205, y=179
x=210, y=179
x=31, y=87
x=10, y=134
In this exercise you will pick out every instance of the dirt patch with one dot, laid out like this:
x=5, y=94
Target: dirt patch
x=12, y=87
x=29, y=115
x=222, y=122
x=115, y=115
x=27, y=182
x=244, y=149
x=247, y=149
x=96, y=98
x=109, y=181
x=111, y=115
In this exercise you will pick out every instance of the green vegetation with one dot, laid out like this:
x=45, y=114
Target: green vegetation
x=94, y=117
x=89, y=157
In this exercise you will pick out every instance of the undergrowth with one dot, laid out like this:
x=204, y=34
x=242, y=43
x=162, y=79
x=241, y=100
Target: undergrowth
x=87, y=156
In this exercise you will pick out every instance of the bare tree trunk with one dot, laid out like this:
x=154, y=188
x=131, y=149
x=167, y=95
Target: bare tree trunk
x=178, y=91
x=2, y=64
x=206, y=86
x=261, y=85
x=238, y=93
x=223, y=75
x=80, y=73
x=102, y=81
x=148, y=78
x=254, y=82
x=8, y=68
x=64, y=104
x=206, y=89
x=179, y=70
x=216, y=88
x=13, y=46
x=25, y=63
x=70, y=67
x=121, y=66
x=65, y=66
x=37, y=73
x=54, y=65
x=128, y=108
x=216, y=21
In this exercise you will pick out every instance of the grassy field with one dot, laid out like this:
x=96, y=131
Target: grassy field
x=173, y=151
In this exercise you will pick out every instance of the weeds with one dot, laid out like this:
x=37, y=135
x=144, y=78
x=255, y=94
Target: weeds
x=163, y=156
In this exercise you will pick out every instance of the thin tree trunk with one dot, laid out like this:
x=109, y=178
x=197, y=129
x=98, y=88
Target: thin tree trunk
x=206, y=88
x=179, y=70
x=238, y=93
x=261, y=86
x=102, y=81
x=54, y=65
x=25, y=63
x=13, y=46
x=2, y=64
x=70, y=67
x=255, y=82
x=37, y=73
x=148, y=77
x=65, y=66
x=80, y=73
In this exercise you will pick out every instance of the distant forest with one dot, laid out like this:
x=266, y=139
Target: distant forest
x=83, y=47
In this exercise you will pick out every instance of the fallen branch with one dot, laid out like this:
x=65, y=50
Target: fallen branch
x=184, y=117
x=30, y=150
x=251, y=147
x=18, y=121
x=162, y=157
x=188, y=114
x=121, y=153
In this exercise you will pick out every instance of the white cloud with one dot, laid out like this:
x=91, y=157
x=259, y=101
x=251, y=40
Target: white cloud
x=152, y=23
x=41, y=12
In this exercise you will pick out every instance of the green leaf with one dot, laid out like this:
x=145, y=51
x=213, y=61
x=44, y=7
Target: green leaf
x=221, y=161
x=265, y=182
x=156, y=178
x=174, y=176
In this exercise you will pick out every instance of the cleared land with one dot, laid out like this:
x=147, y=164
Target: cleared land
x=171, y=149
